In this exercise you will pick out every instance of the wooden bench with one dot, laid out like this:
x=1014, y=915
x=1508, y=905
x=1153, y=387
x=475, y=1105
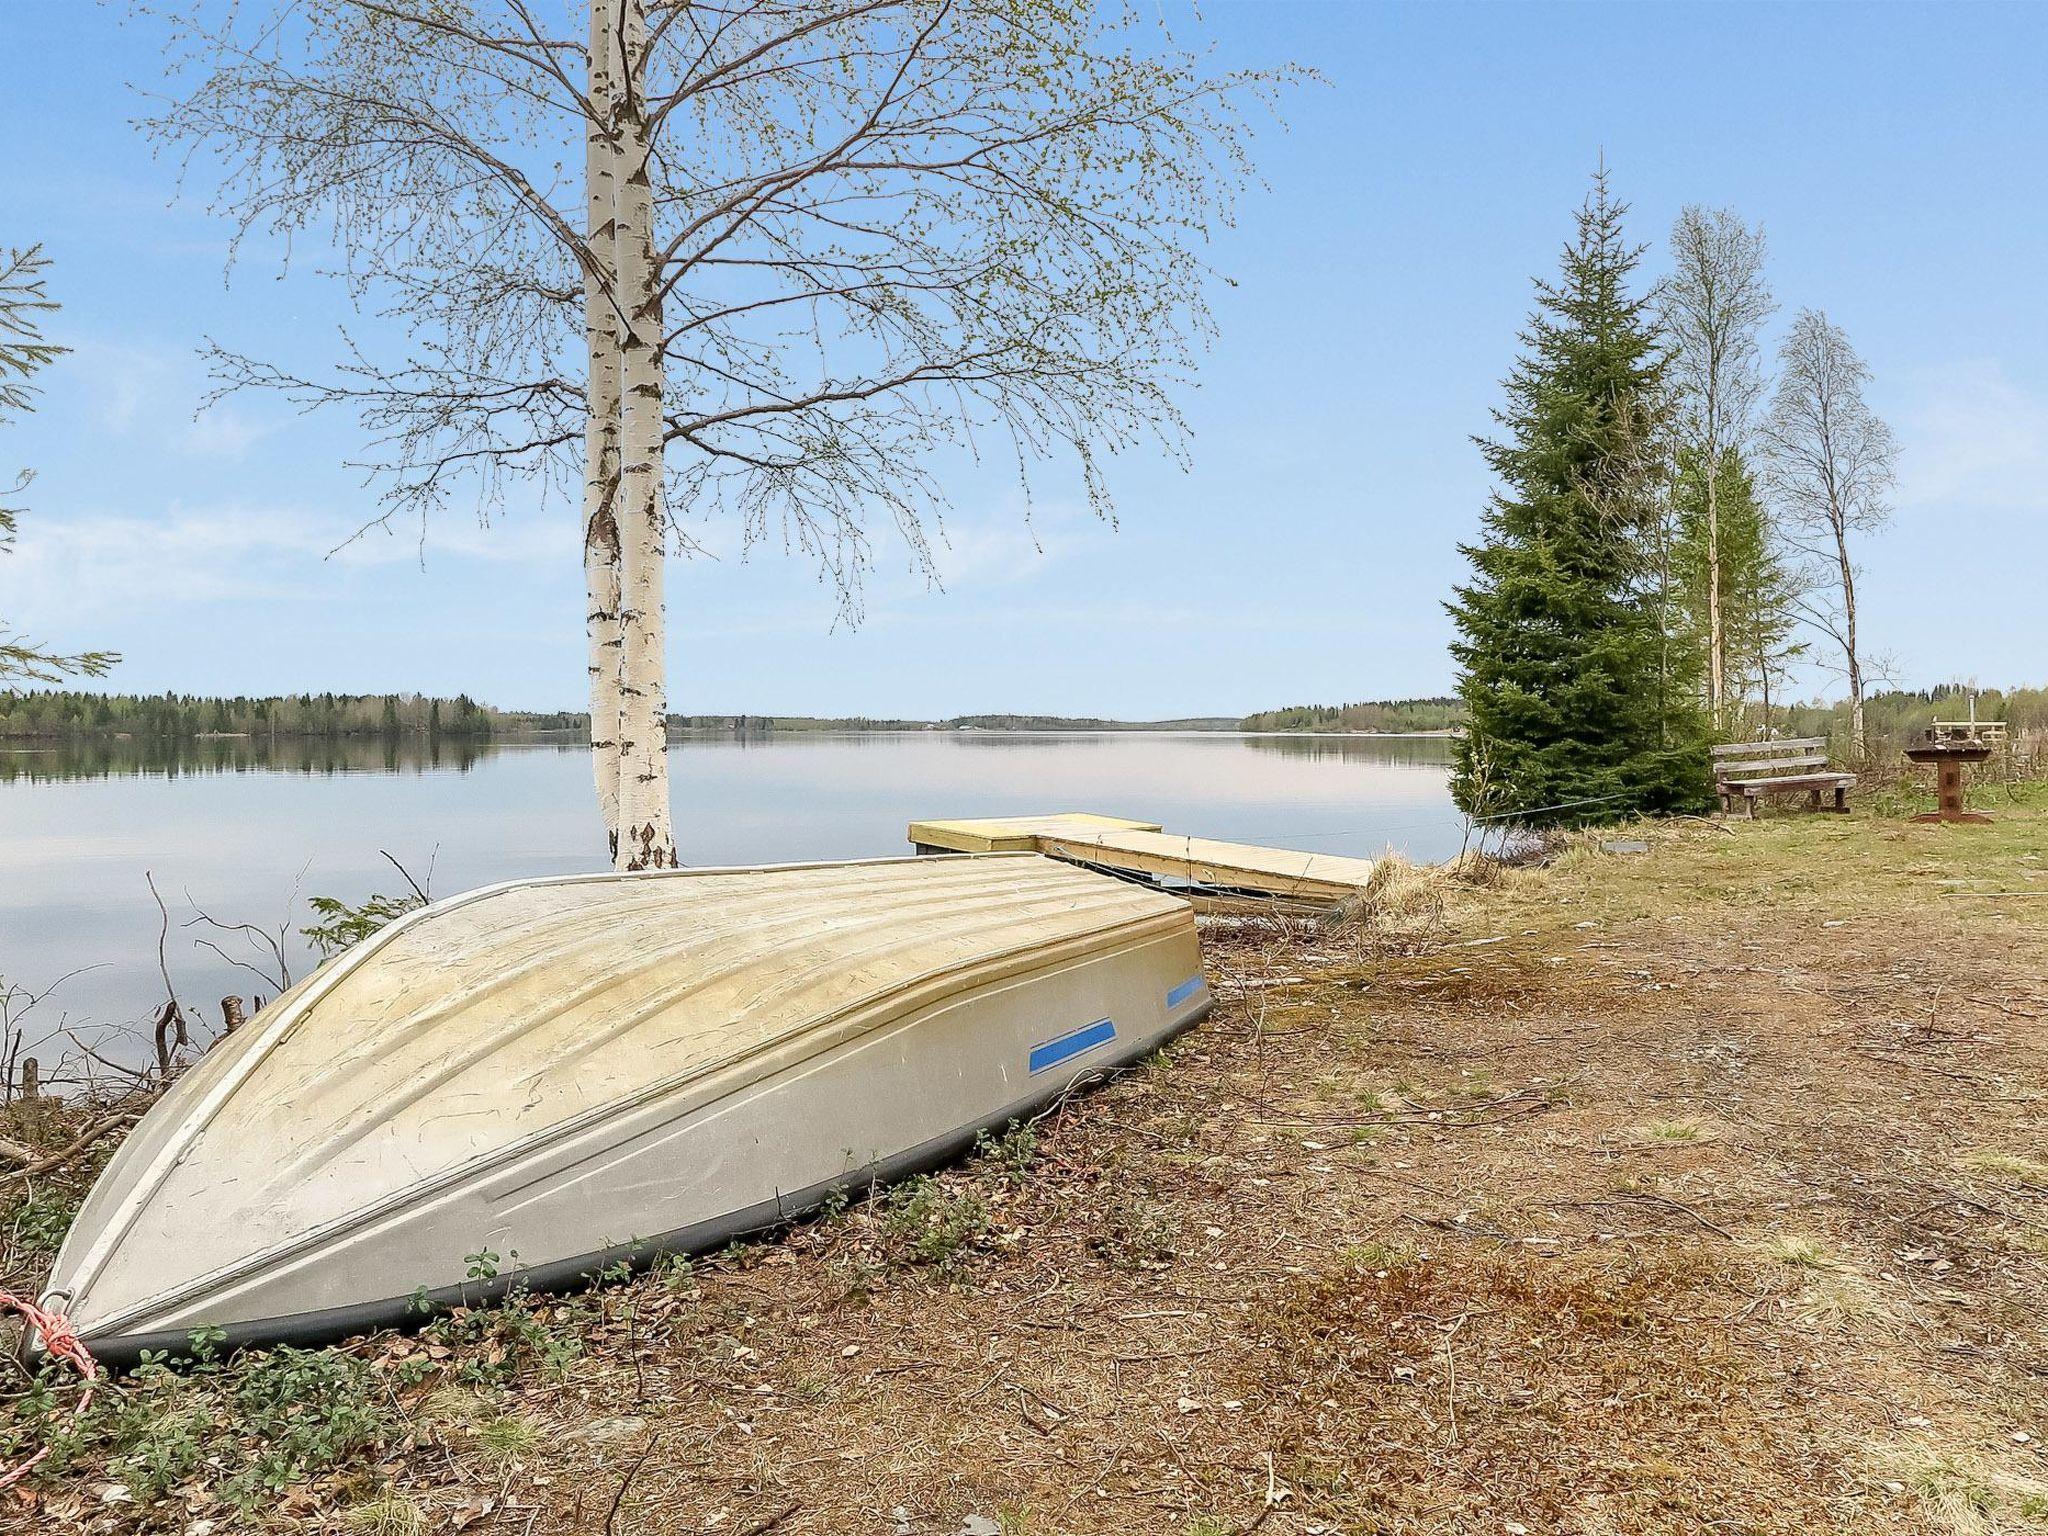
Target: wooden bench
x=1753, y=768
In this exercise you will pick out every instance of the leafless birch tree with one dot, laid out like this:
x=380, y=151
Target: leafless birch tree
x=25, y=352
x=814, y=243
x=1828, y=467
x=1714, y=302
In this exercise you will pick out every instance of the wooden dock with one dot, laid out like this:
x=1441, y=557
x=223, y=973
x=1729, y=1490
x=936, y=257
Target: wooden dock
x=1216, y=876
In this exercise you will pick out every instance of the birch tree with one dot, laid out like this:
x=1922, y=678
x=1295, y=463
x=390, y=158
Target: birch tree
x=1829, y=468
x=1759, y=587
x=1714, y=303
x=814, y=245
x=24, y=352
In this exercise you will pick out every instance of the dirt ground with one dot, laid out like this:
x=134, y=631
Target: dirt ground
x=1699, y=1189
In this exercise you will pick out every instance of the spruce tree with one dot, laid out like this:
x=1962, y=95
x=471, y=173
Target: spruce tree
x=1576, y=711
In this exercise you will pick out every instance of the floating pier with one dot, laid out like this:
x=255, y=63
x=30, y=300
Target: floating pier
x=1215, y=876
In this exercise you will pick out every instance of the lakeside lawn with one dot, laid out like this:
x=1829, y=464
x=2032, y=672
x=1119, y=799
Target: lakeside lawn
x=1704, y=1187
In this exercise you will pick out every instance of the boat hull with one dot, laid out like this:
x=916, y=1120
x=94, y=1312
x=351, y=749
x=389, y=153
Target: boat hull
x=925, y=1059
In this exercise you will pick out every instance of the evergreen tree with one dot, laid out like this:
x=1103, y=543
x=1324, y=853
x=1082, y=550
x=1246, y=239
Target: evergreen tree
x=1577, y=709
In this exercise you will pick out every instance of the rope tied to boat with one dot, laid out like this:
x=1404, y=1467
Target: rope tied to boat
x=60, y=1342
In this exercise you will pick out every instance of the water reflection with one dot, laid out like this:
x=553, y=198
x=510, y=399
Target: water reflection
x=1392, y=751
x=245, y=831
x=172, y=758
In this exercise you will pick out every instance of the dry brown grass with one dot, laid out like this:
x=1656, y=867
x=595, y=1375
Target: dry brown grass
x=1393, y=1244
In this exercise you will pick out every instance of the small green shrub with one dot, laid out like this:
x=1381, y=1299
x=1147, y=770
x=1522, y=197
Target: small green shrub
x=923, y=1222
x=1136, y=1234
x=41, y=1221
x=247, y=1429
x=342, y=926
x=1011, y=1152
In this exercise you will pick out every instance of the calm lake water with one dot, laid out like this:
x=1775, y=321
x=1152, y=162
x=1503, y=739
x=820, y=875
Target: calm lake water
x=246, y=833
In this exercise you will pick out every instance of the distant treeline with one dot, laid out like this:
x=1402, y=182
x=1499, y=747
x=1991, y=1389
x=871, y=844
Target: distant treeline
x=753, y=725
x=1081, y=723
x=57, y=714
x=1893, y=718
x=759, y=725
x=1389, y=716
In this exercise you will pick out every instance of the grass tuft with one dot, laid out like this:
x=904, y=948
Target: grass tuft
x=390, y=1515
x=1964, y=1495
x=1684, y=1130
x=507, y=1437
x=1841, y=1299
x=1802, y=1251
x=2005, y=1165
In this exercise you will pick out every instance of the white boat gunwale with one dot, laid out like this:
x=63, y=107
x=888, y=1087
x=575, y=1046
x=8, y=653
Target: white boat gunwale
x=665, y=1103
x=117, y=1351
x=927, y=992
x=326, y=977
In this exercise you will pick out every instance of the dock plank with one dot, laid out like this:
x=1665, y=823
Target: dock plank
x=1016, y=834
x=1145, y=849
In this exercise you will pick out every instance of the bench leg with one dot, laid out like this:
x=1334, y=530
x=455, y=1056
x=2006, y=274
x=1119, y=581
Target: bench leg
x=1842, y=799
x=1749, y=802
x=1813, y=798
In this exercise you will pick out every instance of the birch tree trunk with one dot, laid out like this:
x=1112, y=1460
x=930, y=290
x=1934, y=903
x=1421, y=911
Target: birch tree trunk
x=1855, y=660
x=1714, y=303
x=647, y=838
x=885, y=229
x=601, y=433
x=1717, y=644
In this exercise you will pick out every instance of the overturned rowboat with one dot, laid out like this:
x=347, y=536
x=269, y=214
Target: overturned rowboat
x=532, y=1082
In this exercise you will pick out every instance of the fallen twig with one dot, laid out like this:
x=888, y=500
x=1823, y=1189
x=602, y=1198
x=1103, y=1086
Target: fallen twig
x=769, y=1524
x=611, y=1515
x=91, y=1134
x=1643, y=1194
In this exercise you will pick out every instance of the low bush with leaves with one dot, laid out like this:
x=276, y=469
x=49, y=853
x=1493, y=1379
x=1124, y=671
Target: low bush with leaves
x=925, y=1222
x=215, y=1433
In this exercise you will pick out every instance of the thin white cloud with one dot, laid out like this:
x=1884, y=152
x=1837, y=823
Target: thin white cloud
x=150, y=396
x=1972, y=440
x=65, y=568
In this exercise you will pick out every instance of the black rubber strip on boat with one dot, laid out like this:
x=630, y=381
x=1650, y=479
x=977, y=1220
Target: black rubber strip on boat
x=122, y=1351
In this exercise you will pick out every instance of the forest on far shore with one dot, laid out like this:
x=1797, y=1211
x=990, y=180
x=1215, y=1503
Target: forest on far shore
x=1893, y=716
x=1385, y=716
x=59, y=714
x=52, y=714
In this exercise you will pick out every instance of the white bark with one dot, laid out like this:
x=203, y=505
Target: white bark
x=647, y=838
x=1714, y=304
x=1854, y=657
x=601, y=432
x=887, y=230
x=1830, y=467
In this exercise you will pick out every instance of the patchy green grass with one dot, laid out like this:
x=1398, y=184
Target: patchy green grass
x=389, y=1515
x=1682, y=1131
x=1966, y=1495
x=2005, y=1165
x=1801, y=1251
x=1378, y=1257
x=507, y=1436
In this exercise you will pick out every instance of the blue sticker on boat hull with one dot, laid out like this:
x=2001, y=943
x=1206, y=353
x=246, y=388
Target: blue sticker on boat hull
x=1183, y=992
x=1051, y=1053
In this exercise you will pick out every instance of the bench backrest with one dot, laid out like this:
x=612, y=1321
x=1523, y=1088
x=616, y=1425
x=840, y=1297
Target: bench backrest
x=1770, y=759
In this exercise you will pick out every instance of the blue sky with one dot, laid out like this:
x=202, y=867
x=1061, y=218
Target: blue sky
x=1894, y=154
